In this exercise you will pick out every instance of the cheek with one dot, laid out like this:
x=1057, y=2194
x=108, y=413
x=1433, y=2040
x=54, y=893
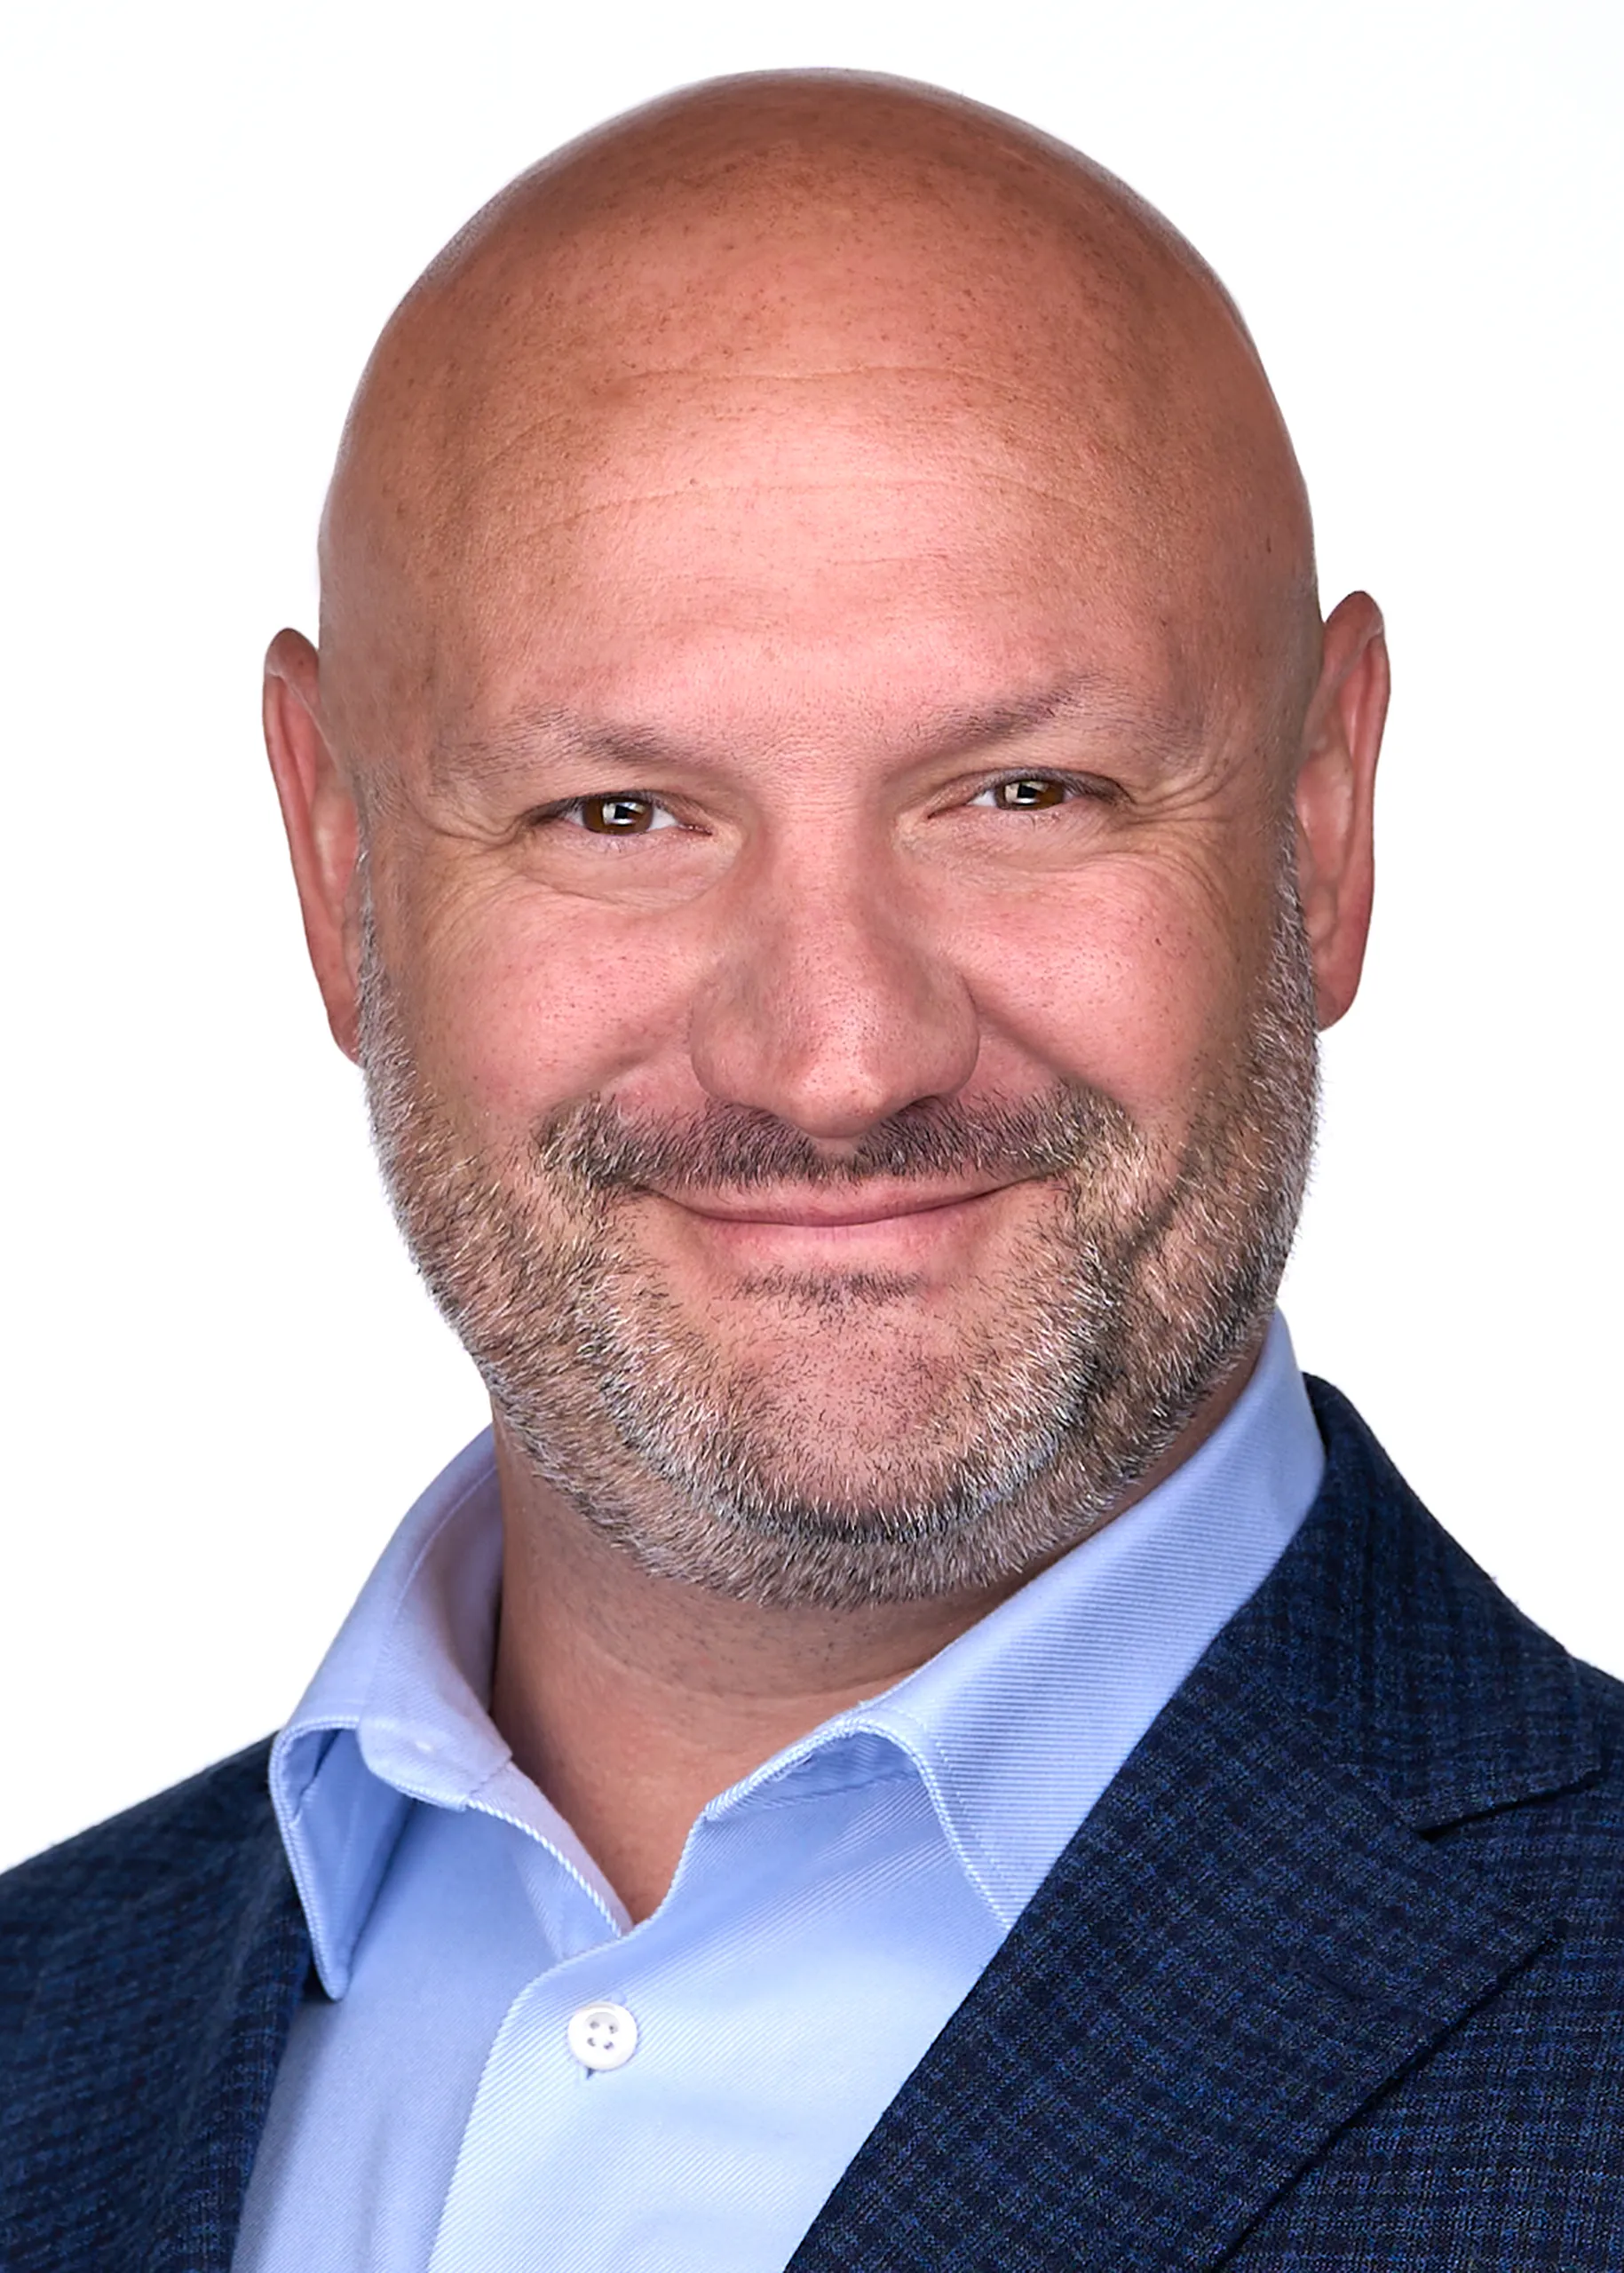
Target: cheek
x=1132, y=975
x=522, y=1003
x=1131, y=978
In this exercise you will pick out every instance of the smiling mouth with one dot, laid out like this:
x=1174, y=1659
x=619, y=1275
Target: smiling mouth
x=831, y=1211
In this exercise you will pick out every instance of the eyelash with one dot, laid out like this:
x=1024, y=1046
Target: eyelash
x=566, y=806
x=1073, y=786
x=1076, y=786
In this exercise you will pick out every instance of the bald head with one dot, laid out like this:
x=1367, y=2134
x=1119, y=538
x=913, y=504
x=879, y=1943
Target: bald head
x=762, y=288
x=820, y=654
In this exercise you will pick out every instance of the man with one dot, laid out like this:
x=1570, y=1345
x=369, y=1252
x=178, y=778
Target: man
x=827, y=814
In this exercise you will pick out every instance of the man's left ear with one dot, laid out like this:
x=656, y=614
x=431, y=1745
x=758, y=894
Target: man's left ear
x=1336, y=795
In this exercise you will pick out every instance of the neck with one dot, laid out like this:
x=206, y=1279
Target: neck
x=632, y=1701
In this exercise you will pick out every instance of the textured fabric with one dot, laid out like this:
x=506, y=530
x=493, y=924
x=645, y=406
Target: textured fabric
x=1331, y=1976
x=829, y=1914
x=149, y=1973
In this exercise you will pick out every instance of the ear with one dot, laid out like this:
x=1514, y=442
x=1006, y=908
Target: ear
x=1335, y=796
x=323, y=826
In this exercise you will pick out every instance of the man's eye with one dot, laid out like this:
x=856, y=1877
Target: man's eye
x=620, y=815
x=1028, y=793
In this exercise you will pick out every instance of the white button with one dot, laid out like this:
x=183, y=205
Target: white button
x=602, y=2035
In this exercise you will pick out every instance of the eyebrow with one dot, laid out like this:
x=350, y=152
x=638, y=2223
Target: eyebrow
x=551, y=731
x=1089, y=698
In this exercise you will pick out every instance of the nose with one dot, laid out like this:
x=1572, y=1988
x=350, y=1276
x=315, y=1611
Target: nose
x=830, y=1003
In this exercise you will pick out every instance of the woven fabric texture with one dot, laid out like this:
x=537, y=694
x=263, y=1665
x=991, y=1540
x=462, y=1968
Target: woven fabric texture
x=1332, y=1977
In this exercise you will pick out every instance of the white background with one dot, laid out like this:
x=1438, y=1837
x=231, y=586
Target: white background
x=225, y=1384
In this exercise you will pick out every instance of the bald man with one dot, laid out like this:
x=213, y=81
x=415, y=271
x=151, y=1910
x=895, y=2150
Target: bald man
x=827, y=812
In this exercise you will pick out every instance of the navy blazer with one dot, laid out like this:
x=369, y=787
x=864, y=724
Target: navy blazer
x=1329, y=1980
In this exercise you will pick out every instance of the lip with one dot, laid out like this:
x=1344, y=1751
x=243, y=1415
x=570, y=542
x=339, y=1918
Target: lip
x=831, y=1211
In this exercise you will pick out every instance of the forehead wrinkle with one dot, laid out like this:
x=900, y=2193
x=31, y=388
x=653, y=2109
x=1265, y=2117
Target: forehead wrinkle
x=553, y=285
x=1045, y=444
x=787, y=485
x=645, y=409
x=808, y=233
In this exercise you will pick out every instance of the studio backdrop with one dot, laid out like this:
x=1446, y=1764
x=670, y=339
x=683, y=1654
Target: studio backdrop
x=226, y=1383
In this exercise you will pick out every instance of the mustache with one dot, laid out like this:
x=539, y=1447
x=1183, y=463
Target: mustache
x=737, y=1148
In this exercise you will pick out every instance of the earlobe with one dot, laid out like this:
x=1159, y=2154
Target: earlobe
x=320, y=815
x=1335, y=796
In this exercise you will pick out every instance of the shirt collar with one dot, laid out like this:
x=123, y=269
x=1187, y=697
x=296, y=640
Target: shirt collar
x=397, y=1710
x=1018, y=1725
x=1016, y=1728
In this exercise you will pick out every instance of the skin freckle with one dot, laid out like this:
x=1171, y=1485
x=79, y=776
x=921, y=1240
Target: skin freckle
x=819, y=647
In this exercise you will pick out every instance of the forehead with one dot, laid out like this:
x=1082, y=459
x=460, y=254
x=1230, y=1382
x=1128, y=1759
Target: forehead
x=893, y=541
x=798, y=472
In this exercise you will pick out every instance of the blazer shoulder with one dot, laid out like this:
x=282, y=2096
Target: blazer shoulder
x=1421, y=1670
x=1603, y=1700
x=149, y=1969
x=139, y=1862
x=1605, y=1695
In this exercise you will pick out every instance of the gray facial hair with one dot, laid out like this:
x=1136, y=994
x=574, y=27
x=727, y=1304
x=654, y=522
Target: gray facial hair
x=1123, y=1311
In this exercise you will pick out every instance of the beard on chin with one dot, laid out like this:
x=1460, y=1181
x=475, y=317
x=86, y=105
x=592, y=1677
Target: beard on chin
x=838, y=1451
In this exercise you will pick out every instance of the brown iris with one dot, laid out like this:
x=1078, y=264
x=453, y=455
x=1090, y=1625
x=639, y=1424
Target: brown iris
x=617, y=816
x=1027, y=797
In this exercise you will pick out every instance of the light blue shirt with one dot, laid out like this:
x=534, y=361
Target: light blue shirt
x=828, y=1913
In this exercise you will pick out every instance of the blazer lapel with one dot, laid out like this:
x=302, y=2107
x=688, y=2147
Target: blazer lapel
x=1249, y=1936
x=261, y=1963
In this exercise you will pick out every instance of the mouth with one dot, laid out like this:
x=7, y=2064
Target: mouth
x=829, y=1211
x=912, y=1238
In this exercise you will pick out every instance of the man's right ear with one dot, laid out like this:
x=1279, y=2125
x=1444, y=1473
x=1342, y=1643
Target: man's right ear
x=323, y=828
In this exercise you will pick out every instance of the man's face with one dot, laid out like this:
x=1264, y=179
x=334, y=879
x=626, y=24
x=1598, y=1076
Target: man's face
x=836, y=1016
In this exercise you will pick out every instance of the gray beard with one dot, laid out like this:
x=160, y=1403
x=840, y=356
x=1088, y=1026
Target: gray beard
x=1120, y=1315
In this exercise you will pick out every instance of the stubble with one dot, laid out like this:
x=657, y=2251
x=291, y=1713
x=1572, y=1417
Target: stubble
x=917, y=1465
